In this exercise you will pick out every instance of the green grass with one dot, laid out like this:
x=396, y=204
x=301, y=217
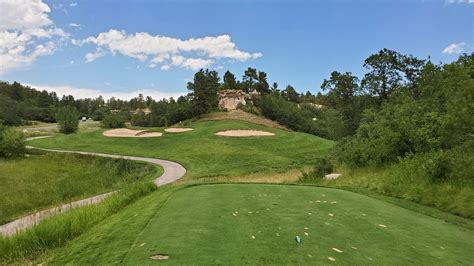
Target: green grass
x=411, y=184
x=203, y=154
x=28, y=245
x=197, y=225
x=44, y=180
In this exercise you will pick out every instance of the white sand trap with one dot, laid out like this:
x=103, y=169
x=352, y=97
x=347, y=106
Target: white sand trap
x=244, y=133
x=177, y=129
x=129, y=133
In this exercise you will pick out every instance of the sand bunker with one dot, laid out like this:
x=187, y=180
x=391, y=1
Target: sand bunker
x=178, y=129
x=244, y=133
x=129, y=133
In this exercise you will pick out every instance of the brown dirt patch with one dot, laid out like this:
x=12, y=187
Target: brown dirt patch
x=243, y=116
x=178, y=129
x=160, y=257
x=287, y=177
x=130, y=133
x=244, y=133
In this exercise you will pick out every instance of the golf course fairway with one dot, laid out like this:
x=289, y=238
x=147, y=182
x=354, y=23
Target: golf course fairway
x=257, y=224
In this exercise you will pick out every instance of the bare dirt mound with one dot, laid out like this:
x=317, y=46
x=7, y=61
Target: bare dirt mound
x=244, y=133
x=178, y=129
x=130, y=133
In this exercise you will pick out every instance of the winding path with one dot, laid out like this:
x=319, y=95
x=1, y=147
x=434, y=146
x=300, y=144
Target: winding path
x=171, y=172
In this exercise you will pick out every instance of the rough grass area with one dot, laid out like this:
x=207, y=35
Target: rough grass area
x=205, y=155
x=453, y=196
x=55, y=232
x=44, y=180
x=257, y=224
x=243, y=116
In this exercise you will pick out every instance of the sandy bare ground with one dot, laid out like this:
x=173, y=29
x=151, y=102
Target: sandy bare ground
x=177, y=129
x=171, y=172
x=244, y=133
x=130, y=133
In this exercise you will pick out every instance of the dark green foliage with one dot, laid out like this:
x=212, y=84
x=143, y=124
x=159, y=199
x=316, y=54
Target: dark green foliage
x=12, y=143
x=140, y=119
x=116, y=119
x=343, y=94
x=324, y=122
x=262, y=86
x=440, y=117
x=389, y=71
x=290, y=94
x=230, y=82
x=204, y=91
x=20, y=103
x=68, y=119
x=9, y=112
x=249, y=80
x=322, y=167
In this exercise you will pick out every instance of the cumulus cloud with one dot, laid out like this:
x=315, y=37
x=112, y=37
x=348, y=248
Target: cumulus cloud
x=79, y=93
x=168, y=51
x=455, y=48
x=93, y=56
x=26, y=33
x=459, y=1
x=73, y=4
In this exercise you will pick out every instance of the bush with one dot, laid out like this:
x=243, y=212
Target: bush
x=437, y=167
x=322, y=167
x=12, y=143
x=249, y=108
x=140, y=119
x=68, y=119
x=115, y=120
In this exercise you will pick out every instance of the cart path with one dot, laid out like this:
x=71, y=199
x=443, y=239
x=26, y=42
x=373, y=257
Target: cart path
x=172, y=171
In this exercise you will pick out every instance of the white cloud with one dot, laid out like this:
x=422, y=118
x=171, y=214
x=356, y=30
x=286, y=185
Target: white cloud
x=75, y=25
x=79, y=93
x=93, y=56
x=26, y=33
x=168, y=51
x=73, y=4
x=455, y=48
x=459, y=1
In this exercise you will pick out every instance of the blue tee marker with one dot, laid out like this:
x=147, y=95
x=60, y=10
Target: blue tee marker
x=298, y=240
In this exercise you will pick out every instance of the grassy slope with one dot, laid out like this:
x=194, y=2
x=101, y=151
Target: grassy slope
x=206, y=231
x=50, y=179
x=449, y=196
x=204, y=154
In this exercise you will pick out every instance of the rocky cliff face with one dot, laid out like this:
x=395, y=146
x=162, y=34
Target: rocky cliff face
x=230, y=99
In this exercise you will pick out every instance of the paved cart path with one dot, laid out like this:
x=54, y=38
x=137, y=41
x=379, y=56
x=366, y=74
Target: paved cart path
x=171, y=172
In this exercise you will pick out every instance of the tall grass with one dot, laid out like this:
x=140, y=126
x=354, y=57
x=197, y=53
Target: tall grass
x=44, y=180
x=412, y=179
x=58, y=230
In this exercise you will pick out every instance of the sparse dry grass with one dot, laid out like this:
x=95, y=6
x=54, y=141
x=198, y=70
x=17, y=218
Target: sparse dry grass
x=243, y=116
x=286, y=177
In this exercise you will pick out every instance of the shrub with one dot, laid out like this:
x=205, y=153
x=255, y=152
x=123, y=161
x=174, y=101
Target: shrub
x=114, y=120
x=12, y=143
x=68, y=119
x=141, y=119
x=322, y=167
x=437, y=167
x=249, y=108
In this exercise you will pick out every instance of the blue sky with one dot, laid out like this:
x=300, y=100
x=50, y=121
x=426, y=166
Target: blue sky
x=125, y=47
